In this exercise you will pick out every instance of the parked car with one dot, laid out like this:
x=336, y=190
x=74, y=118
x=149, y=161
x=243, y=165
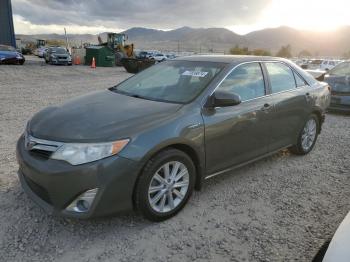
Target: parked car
x=160, y=57
x=170, y=56
x=40, y=52
x=147, y=142
x=58, y=56
x=317, y=73
x=329, y=64
x=339, y=80
x=144, y=55
x=9, y=55
x=336, y=250
x=313, y=64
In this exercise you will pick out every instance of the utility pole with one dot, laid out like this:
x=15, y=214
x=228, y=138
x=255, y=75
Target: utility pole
x=65, y=35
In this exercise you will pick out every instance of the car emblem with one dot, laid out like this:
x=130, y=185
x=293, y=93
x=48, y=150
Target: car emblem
x=29, y=144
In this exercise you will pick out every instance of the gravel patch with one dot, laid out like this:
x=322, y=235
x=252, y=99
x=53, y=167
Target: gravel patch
x=282, y=208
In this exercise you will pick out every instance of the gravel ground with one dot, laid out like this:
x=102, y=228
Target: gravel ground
x=281, y=208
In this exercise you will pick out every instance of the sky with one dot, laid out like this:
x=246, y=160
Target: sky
x=240, y=16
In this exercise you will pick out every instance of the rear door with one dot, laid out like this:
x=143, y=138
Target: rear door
x=292, y=104
x=236, y=134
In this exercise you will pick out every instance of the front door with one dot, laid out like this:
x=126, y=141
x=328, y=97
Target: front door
x=240, y=133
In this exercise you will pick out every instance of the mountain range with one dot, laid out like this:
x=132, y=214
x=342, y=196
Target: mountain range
x=331, y=43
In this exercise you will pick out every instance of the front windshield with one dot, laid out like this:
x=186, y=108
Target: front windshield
x=342, y=69
x=59, y=50
x=172, y=81
x=6, y=48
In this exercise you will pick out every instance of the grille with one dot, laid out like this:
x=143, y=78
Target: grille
x=41, y=153
x=39, y=147
x=38, y=190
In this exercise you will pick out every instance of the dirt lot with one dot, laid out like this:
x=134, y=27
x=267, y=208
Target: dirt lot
x=279, y=209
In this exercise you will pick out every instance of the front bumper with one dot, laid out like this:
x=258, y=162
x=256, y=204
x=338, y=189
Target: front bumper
x=61, y=62
x=54, y=184
x=12, y=60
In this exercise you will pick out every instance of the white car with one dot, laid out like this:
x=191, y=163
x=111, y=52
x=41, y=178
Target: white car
x=40, y=52
x=329, y=64
x=316, y=73
x=160, y=57
x=338, y=248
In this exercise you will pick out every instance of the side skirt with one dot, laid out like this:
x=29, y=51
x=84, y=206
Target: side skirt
x=246, y=163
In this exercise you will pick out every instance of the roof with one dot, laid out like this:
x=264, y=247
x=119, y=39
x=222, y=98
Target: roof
x=228, y=58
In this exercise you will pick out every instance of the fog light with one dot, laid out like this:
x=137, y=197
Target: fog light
x=83, y=202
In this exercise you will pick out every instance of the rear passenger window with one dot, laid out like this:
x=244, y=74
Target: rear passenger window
x=299, y=81
x=281, y=77
x=246, y=80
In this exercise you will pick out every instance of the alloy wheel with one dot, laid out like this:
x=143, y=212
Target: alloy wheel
x=309, y=134
x=168, y=187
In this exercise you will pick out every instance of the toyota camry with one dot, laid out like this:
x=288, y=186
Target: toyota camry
x=148, y=142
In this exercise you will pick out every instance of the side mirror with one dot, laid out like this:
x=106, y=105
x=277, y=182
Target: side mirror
x=223, y=99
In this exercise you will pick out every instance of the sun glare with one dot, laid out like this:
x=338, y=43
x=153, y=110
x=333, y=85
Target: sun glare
x=315, y=15
x=308, y=14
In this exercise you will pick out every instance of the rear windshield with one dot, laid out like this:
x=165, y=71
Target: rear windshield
x=172, y=81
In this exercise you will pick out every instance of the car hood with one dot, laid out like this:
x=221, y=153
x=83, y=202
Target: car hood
x=9, y=54
x=100, y=116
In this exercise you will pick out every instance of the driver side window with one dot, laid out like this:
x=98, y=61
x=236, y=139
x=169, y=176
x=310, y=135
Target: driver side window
x=246, y=80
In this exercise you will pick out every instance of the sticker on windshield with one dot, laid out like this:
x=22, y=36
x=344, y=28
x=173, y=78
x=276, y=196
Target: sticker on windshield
x=195, y=73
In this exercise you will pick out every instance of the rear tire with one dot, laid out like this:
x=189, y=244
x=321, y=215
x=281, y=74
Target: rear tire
x=171, y=175
x=307, y=137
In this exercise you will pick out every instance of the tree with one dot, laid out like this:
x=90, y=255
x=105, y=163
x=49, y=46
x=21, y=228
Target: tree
x=245, y=51
x=305, y=53
x=55, y=42
x=285, y=51
x=261, y=52
x=239, y=51
x=346, y=55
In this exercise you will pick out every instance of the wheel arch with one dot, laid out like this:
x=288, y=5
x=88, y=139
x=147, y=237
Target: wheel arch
x=187, y=149
x=320, y=116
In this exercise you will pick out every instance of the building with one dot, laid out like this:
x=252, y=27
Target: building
x=7, y=33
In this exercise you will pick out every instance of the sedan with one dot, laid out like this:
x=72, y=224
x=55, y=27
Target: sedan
x=57, y=56
x=9, y=55
x=160, y=57
x=148, y=142
x=339, y=80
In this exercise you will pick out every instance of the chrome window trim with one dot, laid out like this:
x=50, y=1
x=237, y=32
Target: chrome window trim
x=266, y=95
x=232, y=69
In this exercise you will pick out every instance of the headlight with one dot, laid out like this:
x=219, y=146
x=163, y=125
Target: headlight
x=80, y=153
x=53, y=56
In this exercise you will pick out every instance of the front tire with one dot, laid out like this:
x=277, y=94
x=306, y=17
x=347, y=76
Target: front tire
x=165, y=185
x=307, y=137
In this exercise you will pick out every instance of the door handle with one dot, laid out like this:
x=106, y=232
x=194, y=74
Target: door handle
x=266, y=107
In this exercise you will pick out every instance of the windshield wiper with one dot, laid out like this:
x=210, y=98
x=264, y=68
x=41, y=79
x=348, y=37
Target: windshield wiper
x=114, y=89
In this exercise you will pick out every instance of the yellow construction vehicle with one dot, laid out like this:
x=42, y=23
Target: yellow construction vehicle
x=117, y=43
x=124, y=53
